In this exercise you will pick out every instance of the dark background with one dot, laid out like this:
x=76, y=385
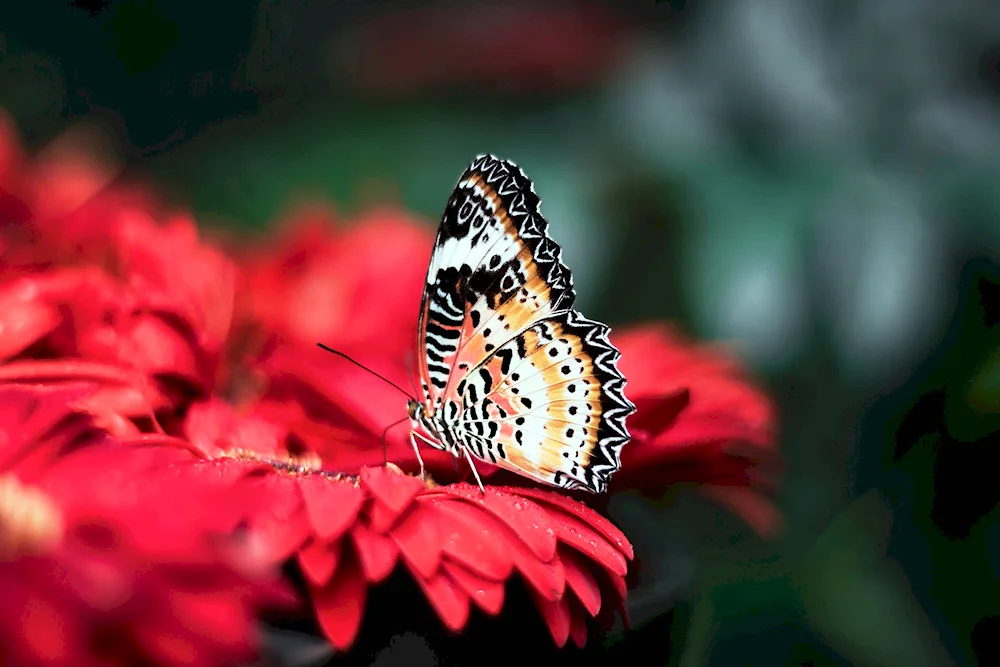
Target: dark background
x=814, y=181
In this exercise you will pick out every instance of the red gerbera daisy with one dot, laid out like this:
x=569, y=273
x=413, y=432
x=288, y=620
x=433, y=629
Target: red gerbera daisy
x=110, y=581
x=698, y=420
x=349, y=532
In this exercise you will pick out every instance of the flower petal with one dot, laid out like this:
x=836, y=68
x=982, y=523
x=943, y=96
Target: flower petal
x=318, y=561
x=331, y=505
x=487, y=595
x=585, y=514
x=214, y=427
x=658, y=413
x=392, y=492
x=577, y=626
x=529, y=521
x=613, y=591
x=581, y=581
x=340, y=604
x=469, y=539
x=556, y=614
x=376, y=553
x=418, y=535
x=282, y=526
x=587, y=541
x=547, y=579
x=23, y=318
x=448, y=599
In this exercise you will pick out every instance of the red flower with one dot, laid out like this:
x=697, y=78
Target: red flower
x=349, y=532
x=98, y=273
x=125, y=575
x=148, y=327
x=529, y=48
x=698, y=420
x=60, y=209
x=317, y=279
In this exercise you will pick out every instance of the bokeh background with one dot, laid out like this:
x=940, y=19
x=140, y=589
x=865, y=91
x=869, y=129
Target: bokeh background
x=814, y=183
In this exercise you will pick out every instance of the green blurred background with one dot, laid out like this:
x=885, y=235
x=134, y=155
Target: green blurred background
x=814, y=181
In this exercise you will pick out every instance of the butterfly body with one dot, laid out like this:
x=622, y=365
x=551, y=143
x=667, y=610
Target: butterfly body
x=509, y=372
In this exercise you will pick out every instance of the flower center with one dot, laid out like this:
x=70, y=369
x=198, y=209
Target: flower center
x=30, y=523
x=306, y=464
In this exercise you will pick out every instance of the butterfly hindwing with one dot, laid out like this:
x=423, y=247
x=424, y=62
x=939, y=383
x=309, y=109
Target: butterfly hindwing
x=494, y=270
x=549, y=404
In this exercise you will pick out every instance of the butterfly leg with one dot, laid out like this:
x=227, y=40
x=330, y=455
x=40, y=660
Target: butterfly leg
x=468, y=457
x=420, y=460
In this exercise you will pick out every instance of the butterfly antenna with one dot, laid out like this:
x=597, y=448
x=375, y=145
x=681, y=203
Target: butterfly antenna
x=363, y=367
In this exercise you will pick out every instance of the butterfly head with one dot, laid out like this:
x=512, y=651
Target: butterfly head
x=419, y=416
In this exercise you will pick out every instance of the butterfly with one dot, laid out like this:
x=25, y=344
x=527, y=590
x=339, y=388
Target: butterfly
x=509, y=372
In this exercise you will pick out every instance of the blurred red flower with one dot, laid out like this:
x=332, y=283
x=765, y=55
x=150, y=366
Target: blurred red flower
x=698, y=420
x=105, y=288
x=129, y=574
x=313, y=281
x=530, y=48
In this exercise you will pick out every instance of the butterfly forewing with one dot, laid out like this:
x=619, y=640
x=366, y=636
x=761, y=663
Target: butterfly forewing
x=493, y=271
x=522, y=379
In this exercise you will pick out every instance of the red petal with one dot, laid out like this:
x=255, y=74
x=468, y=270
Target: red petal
x=331, y=505
x=613, y=592
x=487, y=595
x=448, y=599
x=394, y=492
x=657, y=413
x=376, y=553
x=23, y=317
x=418, y=535
x=283, y=526
x=577, y=625
x=340, y=605
x=214, y=614
x=586, y=514
x=127, y=392
x=156, y=346
x=214, y=425
x=380, y=517
x=581, y=581
x=529, y=521
x=474, y=540
x=318, y=561
x=587, y=541
x=68, y=369
x=556, y=615
x=548, y=579
x=132, y=401
x=36, y=411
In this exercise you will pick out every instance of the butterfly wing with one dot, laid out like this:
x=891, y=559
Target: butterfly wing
x=529, y=383
x=493, y=271
x=549, y=404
